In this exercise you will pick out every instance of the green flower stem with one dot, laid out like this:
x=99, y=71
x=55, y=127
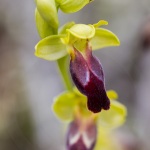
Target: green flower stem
x=63, y=68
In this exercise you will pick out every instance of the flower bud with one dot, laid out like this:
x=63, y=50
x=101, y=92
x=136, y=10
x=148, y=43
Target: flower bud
x=44, y=29
x=88, y=76
x=71, y=6
x=48, y=11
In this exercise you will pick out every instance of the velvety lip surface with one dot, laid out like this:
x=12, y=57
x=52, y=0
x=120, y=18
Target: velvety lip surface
x=88, y=76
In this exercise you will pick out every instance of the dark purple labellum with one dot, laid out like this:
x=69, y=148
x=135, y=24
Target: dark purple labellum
x=81, y=136
x=88, y=76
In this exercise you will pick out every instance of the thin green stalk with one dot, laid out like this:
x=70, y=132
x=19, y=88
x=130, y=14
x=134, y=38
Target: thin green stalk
x=63, y=68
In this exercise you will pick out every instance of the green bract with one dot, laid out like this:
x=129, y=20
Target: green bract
x=70, y=6
x=66, y=103
x=48, y=11
x=75, y=35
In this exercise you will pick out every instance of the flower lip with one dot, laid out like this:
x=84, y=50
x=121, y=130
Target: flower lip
x=81, y=135
x=88, y=76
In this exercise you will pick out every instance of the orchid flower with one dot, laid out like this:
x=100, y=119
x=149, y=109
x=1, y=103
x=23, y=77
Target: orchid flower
x=84, y=126
x=78, y=40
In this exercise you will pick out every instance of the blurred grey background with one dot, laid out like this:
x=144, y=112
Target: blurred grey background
x=28, y=84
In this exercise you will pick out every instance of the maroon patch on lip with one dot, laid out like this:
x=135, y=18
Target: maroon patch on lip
x=88, y=76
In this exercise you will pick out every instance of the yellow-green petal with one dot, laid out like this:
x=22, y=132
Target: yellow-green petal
x=48, y=11
x=104, y=38
x=112, y=95
x=100, y=23
x=114, y=117
x=44, y=29
x=71, y=6
x=51, y=48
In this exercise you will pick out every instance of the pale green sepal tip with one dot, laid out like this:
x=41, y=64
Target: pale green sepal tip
x=71, y=6
x=51, y=48
x=47, y=9
x=104, y=38
x=44, y=29
x=63, y=106
x=82, y=31
x=100, y=23
x=114, y=117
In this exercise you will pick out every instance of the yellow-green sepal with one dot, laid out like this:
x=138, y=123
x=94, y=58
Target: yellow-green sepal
x=64, y=106
x=44, y=29
x=71, y=6
x=48, y=11
x=51, y=48
x=114, y=117
x=104, y=38
x=69, y=104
